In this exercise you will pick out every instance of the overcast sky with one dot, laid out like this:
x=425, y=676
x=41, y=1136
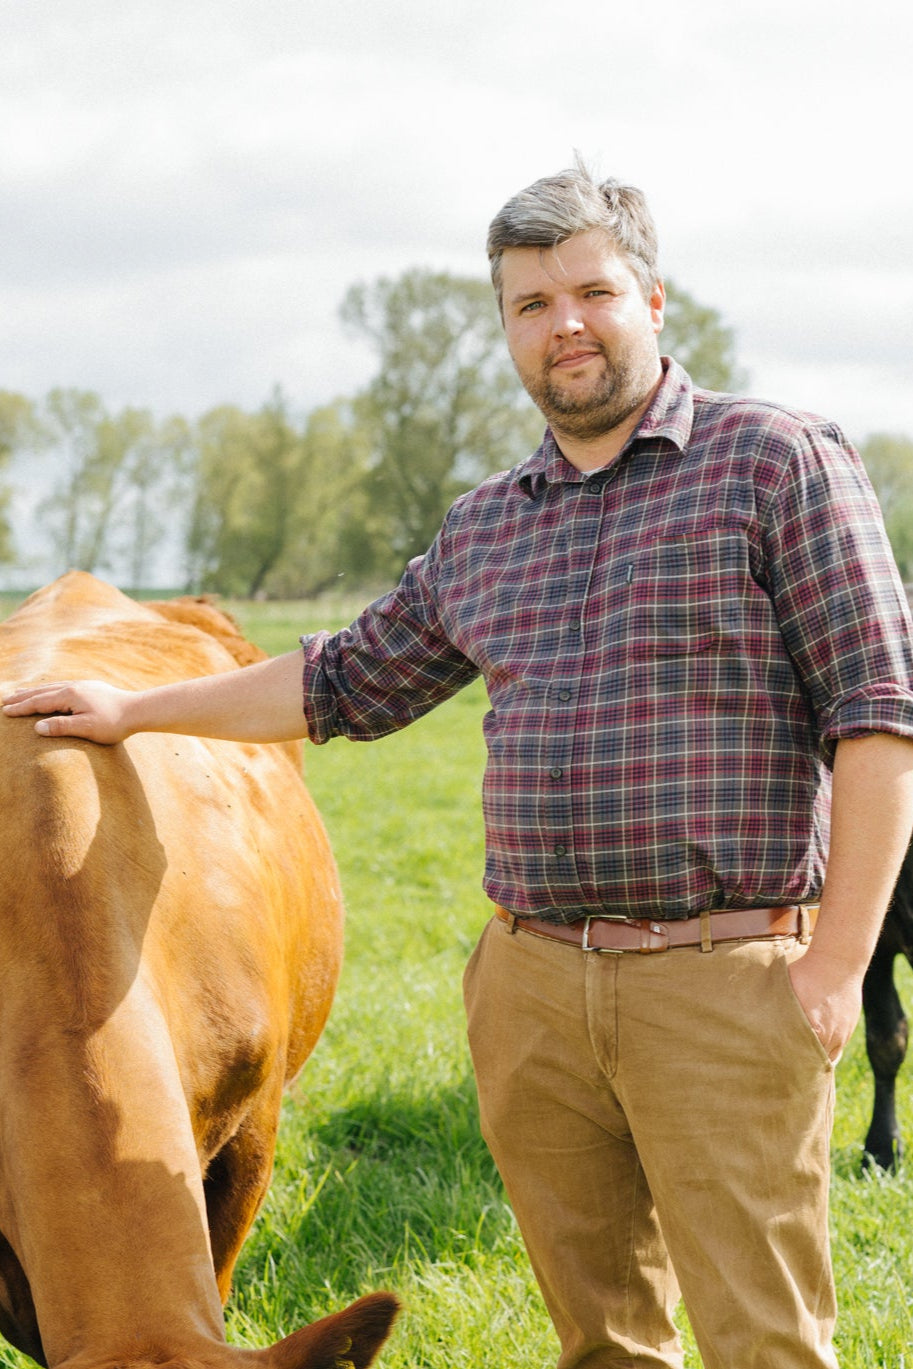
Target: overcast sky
x=188, y=187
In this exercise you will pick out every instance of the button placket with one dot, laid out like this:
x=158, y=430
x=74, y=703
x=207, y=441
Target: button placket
x=584, y=524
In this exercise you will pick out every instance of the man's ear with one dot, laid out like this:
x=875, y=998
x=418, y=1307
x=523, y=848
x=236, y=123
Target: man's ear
x=658, y=306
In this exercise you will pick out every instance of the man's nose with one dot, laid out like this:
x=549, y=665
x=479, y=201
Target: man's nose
x=568, y=321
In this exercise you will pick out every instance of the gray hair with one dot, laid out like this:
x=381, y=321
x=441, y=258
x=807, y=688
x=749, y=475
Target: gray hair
x=555, y=208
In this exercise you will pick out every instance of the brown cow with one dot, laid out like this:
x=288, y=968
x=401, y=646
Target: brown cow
x=170, y=940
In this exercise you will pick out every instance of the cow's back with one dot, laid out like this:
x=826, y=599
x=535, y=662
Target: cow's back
x=212, y=851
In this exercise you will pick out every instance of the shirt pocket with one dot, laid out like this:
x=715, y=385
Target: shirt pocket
x=686, y=591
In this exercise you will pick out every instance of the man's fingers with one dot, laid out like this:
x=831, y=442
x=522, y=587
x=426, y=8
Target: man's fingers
x=38, y=699
x=68, y=715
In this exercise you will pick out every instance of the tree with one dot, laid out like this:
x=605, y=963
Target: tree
x=248, y=474
x=17, y=429
x=124, y=452
x=445, y=408
x=71, y=420
x=697, y=337
x=112, y=472
x=153, y=490
x=222, y=542
x=336, y=534
x=888, y=458
x=275, y=500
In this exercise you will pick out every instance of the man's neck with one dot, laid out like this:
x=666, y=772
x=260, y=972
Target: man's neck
x=593, y=454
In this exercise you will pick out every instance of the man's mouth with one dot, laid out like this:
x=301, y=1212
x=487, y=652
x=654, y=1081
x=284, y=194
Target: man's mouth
x=569, y=361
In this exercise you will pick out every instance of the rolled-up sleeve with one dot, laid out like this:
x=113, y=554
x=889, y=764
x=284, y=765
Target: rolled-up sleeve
x=393, y=664
x=840, y=602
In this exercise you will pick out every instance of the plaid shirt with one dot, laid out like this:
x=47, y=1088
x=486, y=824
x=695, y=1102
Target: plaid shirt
x=672, y=648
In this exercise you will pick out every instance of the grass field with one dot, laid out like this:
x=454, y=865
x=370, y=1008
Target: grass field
x=382, y=1178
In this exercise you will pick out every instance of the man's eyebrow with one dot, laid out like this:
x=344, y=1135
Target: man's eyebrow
x=597, y=283
x=526, y=295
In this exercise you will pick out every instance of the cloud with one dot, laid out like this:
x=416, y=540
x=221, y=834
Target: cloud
x=187, y=189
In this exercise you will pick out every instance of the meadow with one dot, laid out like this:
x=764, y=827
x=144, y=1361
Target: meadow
x=382, y=1178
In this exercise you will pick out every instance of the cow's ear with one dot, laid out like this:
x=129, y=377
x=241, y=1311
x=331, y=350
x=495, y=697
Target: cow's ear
x=346, y=1340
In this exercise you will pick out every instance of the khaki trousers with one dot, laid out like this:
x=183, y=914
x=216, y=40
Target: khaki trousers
x=661, y=1124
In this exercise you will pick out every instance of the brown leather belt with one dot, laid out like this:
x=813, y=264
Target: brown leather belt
x=646, y=935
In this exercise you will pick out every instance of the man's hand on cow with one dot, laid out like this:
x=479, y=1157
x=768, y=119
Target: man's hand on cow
x=258, y=703
x=92, y=710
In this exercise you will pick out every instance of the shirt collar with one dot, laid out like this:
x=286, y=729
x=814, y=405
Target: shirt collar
x=669, y=418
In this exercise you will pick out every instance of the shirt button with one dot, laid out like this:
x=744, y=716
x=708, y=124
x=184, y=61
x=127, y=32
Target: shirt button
x=573, y=627
x=593, y=487
x=560, y=850
x=564, y=695
x=556, y=772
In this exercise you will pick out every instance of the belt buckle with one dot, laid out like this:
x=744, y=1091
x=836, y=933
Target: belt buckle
x=653, y=936
x=585, y=944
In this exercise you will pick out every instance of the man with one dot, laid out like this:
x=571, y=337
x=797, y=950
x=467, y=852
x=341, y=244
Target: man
x=685, y=611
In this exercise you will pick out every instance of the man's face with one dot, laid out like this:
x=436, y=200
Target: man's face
x=581, y=334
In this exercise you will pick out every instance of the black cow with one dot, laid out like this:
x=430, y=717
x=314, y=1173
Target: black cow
x=885, y=1021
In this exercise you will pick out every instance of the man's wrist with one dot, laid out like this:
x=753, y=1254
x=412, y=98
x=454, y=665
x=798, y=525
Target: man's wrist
x=135, y=712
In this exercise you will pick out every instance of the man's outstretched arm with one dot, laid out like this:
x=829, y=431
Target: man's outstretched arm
x=259, y=703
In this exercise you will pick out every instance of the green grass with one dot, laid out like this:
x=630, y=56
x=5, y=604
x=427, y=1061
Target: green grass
x=382, y=1178
x=276, y=626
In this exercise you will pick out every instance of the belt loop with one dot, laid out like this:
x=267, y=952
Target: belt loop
x=706, y=938
x=805, y=926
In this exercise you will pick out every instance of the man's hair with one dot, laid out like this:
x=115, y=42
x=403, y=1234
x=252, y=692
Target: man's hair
x=555, y=208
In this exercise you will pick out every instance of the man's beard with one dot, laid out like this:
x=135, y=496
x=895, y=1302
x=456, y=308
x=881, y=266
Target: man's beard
x=610, y=399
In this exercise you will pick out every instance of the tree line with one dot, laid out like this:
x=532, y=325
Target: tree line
x=271, y=503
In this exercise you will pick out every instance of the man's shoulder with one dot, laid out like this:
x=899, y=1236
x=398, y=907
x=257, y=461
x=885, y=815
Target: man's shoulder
x=749, y=413
x=705, y=421
x=495, y=489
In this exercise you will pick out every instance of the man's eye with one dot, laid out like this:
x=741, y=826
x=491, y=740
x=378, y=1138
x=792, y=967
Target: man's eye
x=532, y=306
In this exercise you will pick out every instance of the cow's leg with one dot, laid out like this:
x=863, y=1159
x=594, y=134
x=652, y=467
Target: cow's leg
x=235, y=1185
x=886, y=1045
